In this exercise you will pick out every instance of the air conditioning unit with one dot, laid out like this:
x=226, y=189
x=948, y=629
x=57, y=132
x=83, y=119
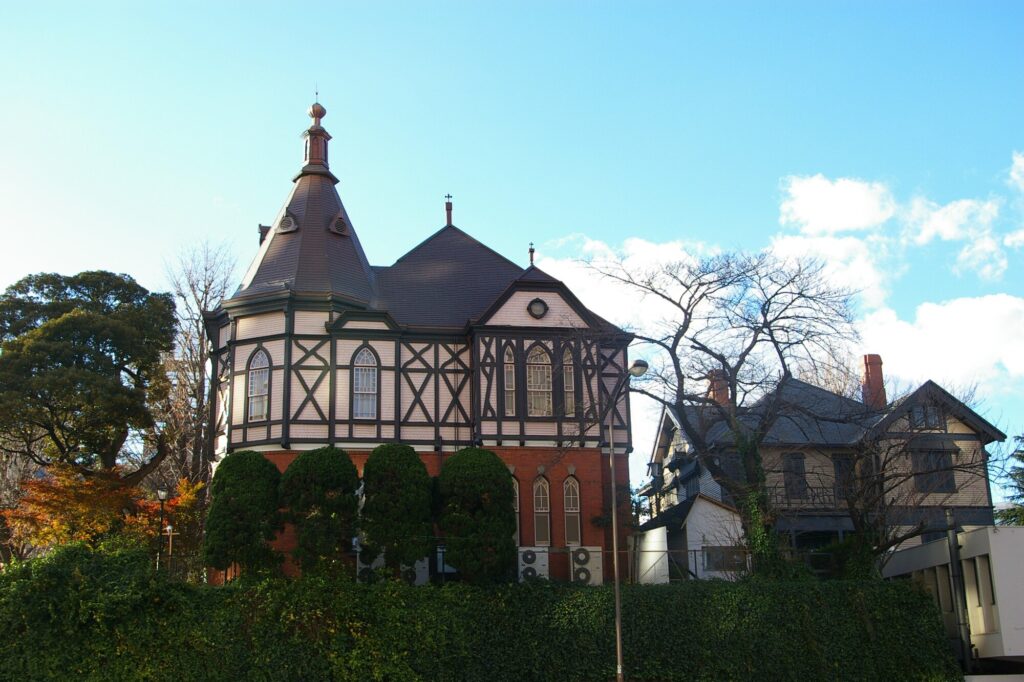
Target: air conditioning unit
x=586, y=565
x=364, y=571
x=418, y=573
x=533, y=562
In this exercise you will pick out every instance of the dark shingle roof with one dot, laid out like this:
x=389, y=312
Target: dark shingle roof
x=312, y=259
x=807, y=415
x=446, y=280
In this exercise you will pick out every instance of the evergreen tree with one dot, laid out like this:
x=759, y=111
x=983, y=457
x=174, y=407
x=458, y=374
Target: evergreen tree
x=244, y=514
x=396, y=513
x=477, y=516
x=318, y=489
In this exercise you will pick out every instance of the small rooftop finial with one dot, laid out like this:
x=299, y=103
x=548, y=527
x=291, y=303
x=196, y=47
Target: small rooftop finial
x=531, y=253
x=317, y=112
x=448, y=208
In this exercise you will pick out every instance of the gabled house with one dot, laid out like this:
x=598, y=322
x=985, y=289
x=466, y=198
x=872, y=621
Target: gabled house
x=824, y=454
x=452, y=345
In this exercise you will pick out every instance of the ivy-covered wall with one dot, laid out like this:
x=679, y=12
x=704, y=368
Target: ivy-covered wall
x=92, y=615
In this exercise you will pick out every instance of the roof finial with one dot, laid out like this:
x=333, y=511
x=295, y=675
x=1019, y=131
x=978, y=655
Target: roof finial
x=531, y=253
x=448, y=208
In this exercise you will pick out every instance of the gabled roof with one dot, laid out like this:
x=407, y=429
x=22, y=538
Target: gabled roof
x=931, y=392
x=446, y=280
x=677, y=514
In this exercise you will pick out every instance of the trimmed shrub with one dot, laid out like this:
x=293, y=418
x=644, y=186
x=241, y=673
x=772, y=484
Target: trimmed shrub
x=318, y=488
x=243, y=514
x=83, y=614
x=477, y=516
x=395, y=517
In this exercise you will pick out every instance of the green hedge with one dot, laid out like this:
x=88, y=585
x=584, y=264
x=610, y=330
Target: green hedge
x=84, y=614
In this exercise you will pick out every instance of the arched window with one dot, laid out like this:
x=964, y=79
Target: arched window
x=541, y=512
x=364, y=385
x=259, y=386
x=538, y=383
x=571, y=502
x=510, y=382
x=515, y=506
x=568, y=384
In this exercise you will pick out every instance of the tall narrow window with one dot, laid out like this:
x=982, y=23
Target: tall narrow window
x=515, y=506
x=571, y=500
x=541, y=513
x=794, y=475
x=568, y=385
x=364, y=385
x=259, y=387
x=510, y=382
x=538, y=383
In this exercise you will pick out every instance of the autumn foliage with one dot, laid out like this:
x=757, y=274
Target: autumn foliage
x=63, y=506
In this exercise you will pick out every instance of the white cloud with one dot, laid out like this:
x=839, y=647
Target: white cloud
x=984, y=256
x=1014, y=240
x=817, y=205
x=956, y=220
x=1016, y=178
x=851, y=262
x=959, y=342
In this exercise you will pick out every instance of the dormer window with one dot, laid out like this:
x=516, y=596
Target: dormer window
x=926, y=417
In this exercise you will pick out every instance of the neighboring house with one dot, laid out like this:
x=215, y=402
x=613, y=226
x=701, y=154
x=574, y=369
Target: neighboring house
x=451, y=346
x=820, y=447
x=991, y=590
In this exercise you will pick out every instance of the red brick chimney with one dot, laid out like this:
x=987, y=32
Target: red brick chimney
x=718, y=387
x=873, y=383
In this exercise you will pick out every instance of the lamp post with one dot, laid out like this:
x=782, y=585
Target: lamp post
x=638, y=369
x=161, y=494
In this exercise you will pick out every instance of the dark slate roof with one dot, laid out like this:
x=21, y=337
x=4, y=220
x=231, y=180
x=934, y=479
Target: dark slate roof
x=312, y=259
x=675, y=516
x=535, y=274
x=446, y=280
x=807, y=415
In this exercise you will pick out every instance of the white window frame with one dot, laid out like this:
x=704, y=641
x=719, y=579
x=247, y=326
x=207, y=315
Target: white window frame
x=571, y=504
x=568, y=385
x=365, y=378
x=258, y=392
x=509, y=369
x=538, y=383
x=541, y=512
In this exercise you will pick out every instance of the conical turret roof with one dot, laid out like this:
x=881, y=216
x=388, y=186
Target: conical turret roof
x=311, y=247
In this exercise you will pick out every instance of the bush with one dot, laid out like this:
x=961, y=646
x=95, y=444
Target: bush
x=85, y=614
x=396, y=513
x=477, y=516
x=318, y=488
x=243, y=513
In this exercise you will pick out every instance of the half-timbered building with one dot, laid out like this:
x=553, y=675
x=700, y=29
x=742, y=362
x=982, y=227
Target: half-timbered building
x=452, y=345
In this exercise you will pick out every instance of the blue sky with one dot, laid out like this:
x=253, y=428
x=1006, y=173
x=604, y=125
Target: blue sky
x=878, y=135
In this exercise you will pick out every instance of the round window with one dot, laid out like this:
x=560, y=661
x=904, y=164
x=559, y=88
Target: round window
x=537, y=308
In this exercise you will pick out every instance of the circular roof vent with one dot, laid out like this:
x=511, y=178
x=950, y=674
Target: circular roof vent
x=287, y=224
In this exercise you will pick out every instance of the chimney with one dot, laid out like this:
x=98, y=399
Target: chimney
x=718, y=387
x=264, y=229
x=873, y=383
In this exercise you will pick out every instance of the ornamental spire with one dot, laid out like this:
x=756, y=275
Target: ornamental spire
x=315, y=159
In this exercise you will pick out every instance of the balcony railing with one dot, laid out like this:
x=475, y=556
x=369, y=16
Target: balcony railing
x=802, y=497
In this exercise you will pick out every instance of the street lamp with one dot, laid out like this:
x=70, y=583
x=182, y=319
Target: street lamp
x=638, y=369
x=161, y=494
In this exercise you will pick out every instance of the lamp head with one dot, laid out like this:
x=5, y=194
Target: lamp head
x=639, y=368
x=162, y=494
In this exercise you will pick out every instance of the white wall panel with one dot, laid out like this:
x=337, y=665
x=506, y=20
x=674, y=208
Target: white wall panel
x=263, y=324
